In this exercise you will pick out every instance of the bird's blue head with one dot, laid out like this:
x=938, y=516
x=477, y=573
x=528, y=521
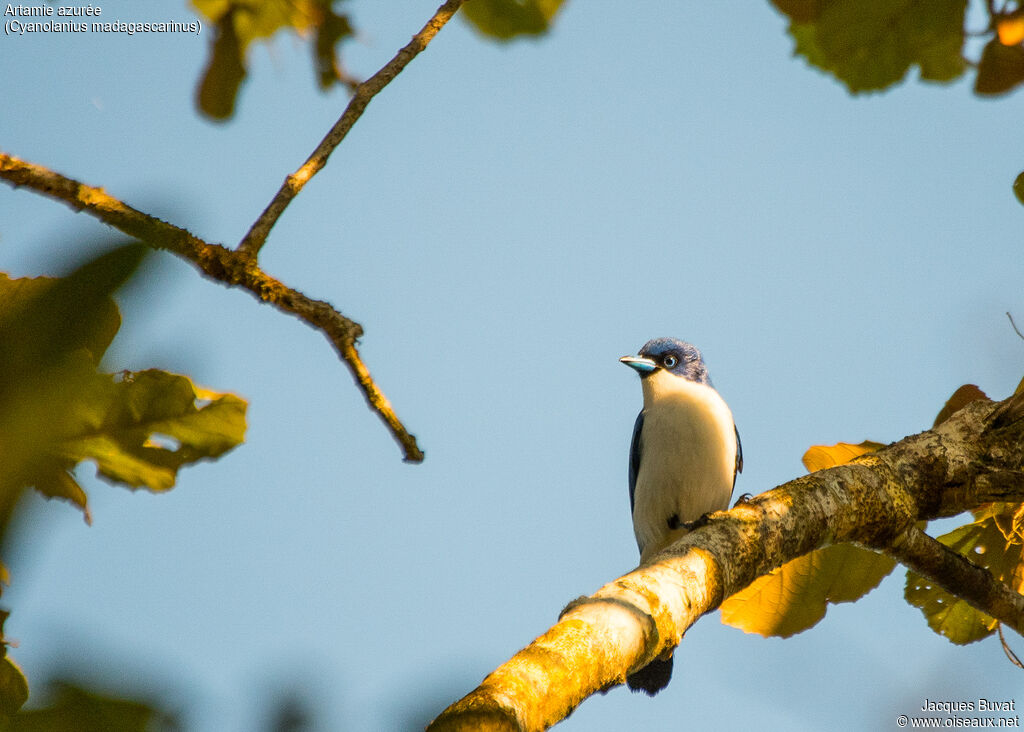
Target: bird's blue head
x=677, y=357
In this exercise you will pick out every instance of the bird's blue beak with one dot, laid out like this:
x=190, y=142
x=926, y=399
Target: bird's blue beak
x=641, y=364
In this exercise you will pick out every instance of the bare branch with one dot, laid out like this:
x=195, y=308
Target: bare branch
x=253, y=241
x=221, y=264
x=874, y=500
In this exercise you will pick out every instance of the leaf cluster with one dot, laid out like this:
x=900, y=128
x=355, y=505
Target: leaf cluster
x=58, y=409
x=240, y=23
x=870, y=46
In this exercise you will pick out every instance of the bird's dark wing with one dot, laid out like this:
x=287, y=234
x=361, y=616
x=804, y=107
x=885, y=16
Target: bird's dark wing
x=739, y=456
x=634, y=457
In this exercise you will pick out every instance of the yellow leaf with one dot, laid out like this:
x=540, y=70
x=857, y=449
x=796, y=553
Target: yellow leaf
x=820, y=457
x=1007, y=517
x=1010, y=29
x=960, y=399
x=795, y=596
x=1016, y=533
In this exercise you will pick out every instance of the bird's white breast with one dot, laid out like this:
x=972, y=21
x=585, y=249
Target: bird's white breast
x=688, y=458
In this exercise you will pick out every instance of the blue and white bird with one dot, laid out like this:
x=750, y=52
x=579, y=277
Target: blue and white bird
x=683, y=459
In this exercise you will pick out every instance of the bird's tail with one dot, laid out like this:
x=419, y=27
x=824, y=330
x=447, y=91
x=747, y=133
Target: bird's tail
x=652, y=678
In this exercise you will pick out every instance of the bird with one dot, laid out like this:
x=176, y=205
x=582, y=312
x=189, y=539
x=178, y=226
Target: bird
x=683, y=460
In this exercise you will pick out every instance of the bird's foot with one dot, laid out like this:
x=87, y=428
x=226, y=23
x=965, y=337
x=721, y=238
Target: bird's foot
x=691, y=525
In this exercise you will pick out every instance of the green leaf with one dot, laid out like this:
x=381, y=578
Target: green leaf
x=984, y=544
x=1018, y=190
x=799, y=11
x=224, y=74
x=871, y=45
x=506, y=19
x=795, y=596
x=13, y=685
x=139, y=429
x=148, y=425
x=805, y=37
x=76, y=709
x=332, y=31
x=54, y=481
x=52, y=334
x=1000, y=69
x=43, y=319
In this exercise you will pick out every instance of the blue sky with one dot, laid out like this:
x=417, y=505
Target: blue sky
x=505, y=222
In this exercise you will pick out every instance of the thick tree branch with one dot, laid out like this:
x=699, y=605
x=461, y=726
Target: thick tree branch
x=257, y=235
x=875, y=501
x=221, y=264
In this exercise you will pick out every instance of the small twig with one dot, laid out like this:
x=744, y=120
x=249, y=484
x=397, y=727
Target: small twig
x=1015, y=329
x=253, y=241
x=1007, y=650
x=221, y=264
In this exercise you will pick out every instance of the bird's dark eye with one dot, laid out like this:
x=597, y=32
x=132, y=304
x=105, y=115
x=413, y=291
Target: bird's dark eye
x=670, y=361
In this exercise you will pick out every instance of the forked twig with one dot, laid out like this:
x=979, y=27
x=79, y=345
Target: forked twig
x=238, y=268
x=221, y=264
